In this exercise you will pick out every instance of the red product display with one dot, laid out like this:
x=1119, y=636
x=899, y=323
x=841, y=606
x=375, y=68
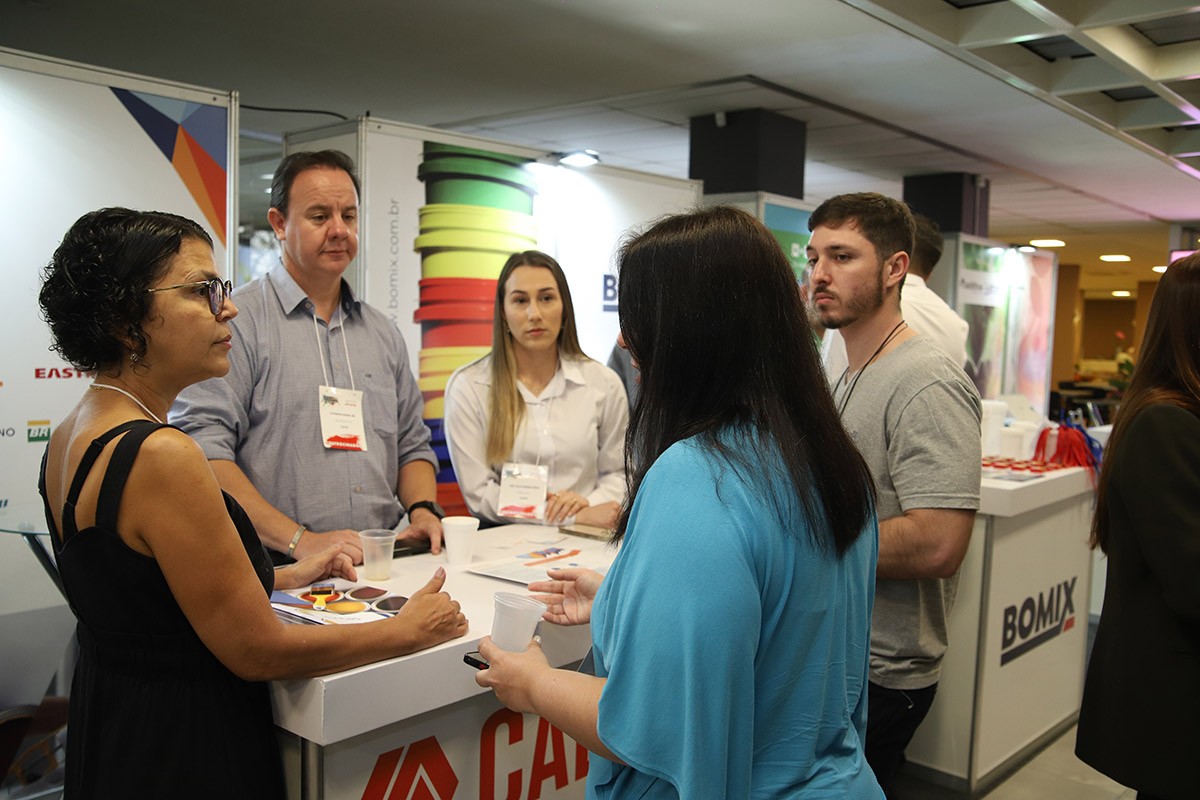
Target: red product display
x=1073, y=449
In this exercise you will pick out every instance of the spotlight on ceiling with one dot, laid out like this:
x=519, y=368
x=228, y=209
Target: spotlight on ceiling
x=578, y=158
x=1122, y=293
x=1047, y=243
x=1115, y=258
x=1159, y=269
x=1026, y=248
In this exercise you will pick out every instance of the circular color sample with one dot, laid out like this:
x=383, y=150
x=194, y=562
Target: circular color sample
x=390, y=603
x=345, y=607
x=366, y=593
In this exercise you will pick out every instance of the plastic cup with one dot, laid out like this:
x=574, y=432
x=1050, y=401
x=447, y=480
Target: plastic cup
x=516, y=618
x=377, y=545
x=458, y=537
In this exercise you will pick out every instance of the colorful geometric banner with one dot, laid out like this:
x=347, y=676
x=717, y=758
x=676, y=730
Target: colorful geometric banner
x=193, y=138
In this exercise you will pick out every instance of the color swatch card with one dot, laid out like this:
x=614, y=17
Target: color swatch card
x=348, y=605
x=531, y=566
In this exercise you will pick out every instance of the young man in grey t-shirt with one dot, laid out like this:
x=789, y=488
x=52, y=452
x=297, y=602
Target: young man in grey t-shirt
x=915, y=417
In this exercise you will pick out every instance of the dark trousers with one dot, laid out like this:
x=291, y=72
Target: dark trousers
x=892, y=718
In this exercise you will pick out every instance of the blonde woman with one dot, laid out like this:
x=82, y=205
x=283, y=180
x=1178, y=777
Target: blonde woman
x=537, y=401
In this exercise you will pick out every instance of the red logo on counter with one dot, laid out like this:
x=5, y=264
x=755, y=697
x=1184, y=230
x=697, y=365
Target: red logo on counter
x=507, y=764
x=424, y=774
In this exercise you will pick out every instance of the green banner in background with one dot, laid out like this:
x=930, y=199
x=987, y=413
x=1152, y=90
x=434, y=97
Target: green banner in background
x=790, y=227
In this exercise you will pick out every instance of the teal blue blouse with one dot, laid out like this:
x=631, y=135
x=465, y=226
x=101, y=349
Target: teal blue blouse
x=735, y=652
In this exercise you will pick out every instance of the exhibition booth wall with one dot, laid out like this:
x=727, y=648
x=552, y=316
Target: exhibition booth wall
x=77, y=138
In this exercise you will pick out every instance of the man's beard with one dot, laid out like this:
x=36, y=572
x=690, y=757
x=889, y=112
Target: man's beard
x=858, y=308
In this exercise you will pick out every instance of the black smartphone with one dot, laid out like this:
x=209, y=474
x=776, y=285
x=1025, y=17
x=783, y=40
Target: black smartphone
x=403, y=548
x=472, y=658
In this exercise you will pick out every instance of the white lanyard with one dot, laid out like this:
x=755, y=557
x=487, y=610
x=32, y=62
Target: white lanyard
x=545, y=429
x=346, y=347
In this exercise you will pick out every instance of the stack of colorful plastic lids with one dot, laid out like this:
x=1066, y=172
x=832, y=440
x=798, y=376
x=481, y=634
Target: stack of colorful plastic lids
x=478, y=212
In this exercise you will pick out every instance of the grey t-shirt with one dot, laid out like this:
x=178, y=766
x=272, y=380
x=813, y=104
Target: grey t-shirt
x=915, y=417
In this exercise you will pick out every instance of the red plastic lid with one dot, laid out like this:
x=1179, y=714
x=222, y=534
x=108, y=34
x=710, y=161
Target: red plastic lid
x=464, y=282
x=456, y=334
x=454, y=311
x=473, y=294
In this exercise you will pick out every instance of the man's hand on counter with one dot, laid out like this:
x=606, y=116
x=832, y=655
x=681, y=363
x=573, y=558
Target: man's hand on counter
x=423, y=526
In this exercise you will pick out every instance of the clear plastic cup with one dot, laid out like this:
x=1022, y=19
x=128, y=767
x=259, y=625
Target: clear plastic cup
x=377, y=545
x=458, y=537
x=516, y=618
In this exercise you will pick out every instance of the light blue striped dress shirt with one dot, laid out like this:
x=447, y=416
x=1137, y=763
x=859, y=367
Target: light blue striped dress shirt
x=264, y=414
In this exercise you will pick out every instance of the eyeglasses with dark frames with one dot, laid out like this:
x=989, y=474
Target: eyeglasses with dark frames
x=218, y=290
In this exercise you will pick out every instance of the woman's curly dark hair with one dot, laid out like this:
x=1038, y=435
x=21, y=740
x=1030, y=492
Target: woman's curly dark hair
x=94, y=288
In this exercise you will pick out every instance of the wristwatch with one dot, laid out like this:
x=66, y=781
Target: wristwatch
x=430, y=505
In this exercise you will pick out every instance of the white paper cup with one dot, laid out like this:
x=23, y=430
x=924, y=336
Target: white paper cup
x=516, y=618
x=377, y=544
x=458, y=537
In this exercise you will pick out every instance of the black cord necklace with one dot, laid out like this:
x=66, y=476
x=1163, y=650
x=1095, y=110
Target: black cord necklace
x=878, y=350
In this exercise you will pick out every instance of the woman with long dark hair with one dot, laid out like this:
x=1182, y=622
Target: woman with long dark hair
x=1139, y=723
x=537, y=399
x=731, y=635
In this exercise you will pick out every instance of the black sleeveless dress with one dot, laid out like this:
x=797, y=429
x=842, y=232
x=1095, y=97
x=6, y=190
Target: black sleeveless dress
x=153, y=713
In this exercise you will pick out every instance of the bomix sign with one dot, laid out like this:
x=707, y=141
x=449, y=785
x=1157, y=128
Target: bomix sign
x=1037, y=620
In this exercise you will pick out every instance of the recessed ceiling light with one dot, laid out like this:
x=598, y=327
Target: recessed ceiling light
x=1115, y=258
x=579, y=158
x=1025, y=248
x=1122, y=293
x=1159, y=269
x=1047, y=243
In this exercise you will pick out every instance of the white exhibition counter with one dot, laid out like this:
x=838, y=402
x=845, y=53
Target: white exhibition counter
x=418, y=725
x=1012, y=678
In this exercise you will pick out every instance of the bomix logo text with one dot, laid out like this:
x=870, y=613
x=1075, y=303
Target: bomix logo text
x=1037, y=620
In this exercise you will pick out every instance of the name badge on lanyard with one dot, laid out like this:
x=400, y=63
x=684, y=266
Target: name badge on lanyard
x=340, y=410
x=341, y=418
x=523, y=490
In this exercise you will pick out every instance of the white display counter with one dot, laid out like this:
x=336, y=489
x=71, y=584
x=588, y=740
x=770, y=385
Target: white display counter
x=418, y=725
x=1012, y=678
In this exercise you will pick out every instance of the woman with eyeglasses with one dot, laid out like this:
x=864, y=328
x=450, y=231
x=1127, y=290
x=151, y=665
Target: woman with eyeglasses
x=1138, y=721
x=165, y=574
x=538, y=402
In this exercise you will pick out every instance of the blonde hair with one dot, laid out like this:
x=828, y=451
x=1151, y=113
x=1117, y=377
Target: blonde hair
x=506, y=406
